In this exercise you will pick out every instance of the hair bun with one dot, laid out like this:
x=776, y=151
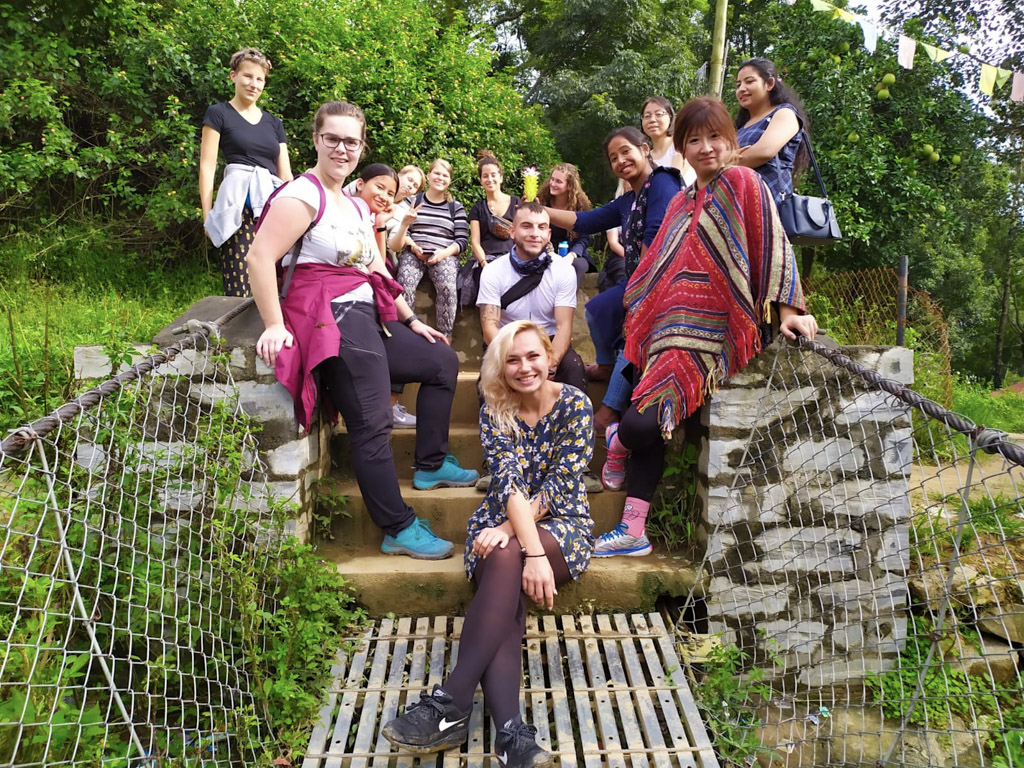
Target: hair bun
x=485, y=154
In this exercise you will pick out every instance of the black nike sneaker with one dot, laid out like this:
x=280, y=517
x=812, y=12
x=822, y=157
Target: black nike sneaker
x=432, y=724
x=516, y=746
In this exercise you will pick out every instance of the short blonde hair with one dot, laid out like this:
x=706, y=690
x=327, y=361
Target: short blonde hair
x=499, y=398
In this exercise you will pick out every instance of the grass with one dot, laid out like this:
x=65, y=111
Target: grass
x=1004, y=410
x=45, y=314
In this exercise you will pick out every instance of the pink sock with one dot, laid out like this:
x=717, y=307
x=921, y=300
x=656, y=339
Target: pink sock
x=617, y=452
x=634, y=515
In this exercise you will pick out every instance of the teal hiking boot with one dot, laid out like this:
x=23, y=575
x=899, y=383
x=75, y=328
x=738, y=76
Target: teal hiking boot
x=448, y=475
x=418, y=542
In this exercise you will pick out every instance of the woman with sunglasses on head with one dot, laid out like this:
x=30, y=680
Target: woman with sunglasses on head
x=639, y=212
x=768, y=126
x=564, y=191
x=256, y=151
x=343, y=319
x=430, y=236
x=694, y=318
x=657, y=117
x=531, y=534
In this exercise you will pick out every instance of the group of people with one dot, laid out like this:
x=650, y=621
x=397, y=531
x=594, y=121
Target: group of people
x=706, y=272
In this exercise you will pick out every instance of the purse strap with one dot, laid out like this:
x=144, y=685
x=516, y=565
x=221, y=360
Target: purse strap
x=814, y=162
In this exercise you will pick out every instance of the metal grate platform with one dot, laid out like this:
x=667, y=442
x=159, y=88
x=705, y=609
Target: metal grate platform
x=602, y=691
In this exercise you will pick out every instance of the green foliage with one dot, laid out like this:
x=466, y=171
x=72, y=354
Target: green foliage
x=890, y=196
x=726, y=695
x=592, y=64
x=236, y=614
x=674, y=516
x=995, y=410
x=118, y=300
x=948, y=691
x=101, y=103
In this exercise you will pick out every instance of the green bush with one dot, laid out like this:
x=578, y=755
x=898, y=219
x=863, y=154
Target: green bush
x=104, y=296
x=101, y=103
x=996, y=410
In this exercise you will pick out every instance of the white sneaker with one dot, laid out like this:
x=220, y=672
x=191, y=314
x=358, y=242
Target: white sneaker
x=401, y=418
x=618, y=542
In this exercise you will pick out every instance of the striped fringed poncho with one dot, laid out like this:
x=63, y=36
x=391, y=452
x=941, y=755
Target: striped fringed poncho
x=700, y=297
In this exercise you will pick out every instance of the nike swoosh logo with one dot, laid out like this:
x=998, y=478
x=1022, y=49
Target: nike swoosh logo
x=444, y=725
x=503, y=758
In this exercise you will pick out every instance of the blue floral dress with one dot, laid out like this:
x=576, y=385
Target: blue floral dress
x=547, y=460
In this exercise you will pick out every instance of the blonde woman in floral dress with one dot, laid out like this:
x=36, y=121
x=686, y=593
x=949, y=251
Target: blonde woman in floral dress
x=532, y=533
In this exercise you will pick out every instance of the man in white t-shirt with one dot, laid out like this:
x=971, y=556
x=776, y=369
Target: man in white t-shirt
x=533, y=288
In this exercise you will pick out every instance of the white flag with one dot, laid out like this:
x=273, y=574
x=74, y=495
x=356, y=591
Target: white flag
x=905, y=53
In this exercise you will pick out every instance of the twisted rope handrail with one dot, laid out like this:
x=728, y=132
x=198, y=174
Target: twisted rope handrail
x=22, y=437
x=988, y=440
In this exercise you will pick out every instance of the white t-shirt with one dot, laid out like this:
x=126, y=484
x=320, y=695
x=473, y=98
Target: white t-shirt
x=557, y=289
x=343, y=236
x=689, y=176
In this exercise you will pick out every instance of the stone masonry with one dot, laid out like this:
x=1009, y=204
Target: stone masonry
x=805, y=498
x=291, y=461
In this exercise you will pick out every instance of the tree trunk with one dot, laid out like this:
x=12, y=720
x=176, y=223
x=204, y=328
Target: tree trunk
x=806, y=261
x=998, y=366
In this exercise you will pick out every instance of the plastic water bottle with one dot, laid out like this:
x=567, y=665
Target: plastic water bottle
x=563, y=249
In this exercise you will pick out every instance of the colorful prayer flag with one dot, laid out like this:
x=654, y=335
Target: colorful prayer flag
x=905, y=52
x=821, y=5
x=1017, y=91
x=992, y=77
x=936, y=54
x=870, y=33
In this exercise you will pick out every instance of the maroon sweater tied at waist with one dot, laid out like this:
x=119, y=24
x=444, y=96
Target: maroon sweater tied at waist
x=309, y=318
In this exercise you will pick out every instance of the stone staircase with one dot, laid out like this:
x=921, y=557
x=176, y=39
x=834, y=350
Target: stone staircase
x=297, y=463
x=401, y=585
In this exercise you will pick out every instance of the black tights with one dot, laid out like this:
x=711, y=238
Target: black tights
x=491, y=646
x=641, y=434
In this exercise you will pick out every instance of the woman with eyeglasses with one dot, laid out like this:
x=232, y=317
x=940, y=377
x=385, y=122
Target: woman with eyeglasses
x=657, y=119
x=343, y=319
x=431, y=235
x=256, y=151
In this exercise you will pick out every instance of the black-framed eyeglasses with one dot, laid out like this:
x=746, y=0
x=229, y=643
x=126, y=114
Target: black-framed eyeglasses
x=352, y=144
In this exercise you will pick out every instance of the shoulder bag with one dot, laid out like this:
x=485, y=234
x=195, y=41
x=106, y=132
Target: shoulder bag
x=809, y=220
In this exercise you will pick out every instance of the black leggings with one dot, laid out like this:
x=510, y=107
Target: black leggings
x=358, y=381
x=491, y=646
x=641, y=434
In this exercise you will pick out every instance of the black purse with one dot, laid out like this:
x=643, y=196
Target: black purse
x=809, y=220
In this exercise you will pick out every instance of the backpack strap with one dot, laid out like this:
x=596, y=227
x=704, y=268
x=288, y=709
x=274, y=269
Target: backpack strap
x=297, y=248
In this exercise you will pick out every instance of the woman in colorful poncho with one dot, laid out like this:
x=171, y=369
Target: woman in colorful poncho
x=699, y=306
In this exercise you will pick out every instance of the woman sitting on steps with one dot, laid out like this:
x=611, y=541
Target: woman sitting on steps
x=531, y=534
x=343, y=319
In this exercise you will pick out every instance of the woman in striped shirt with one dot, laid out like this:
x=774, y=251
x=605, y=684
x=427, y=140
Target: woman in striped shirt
x=430, y=237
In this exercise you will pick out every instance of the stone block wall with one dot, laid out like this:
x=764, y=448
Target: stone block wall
x=805, y=498
x=291, y=461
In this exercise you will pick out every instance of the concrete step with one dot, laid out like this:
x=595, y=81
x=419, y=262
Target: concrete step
x=447, y=510
x=463, y=442
x=395, y=584
x=466, y=408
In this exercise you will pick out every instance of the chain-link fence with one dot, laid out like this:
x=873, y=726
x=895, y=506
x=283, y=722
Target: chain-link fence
x=860, y=307
x=864, y=573
x=137, y=560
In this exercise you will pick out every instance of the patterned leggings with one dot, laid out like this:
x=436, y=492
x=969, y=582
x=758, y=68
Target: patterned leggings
x=442, y=275
x=232, y=254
